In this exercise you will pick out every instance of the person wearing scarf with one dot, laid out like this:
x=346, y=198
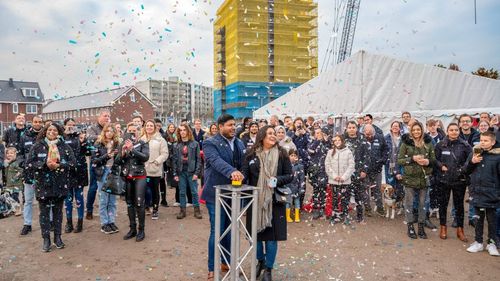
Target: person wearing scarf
x=52, y=160
x=267, y=165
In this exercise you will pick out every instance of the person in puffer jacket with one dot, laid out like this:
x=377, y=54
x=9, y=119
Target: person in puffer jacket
x=317, y=150
x=483, y=166
x=359, y=148
x=297, y=186
x=451, y=159
x=339, y=167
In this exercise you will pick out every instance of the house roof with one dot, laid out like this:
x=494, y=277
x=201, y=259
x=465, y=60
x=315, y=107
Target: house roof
x=100, y=99
x=15, y=94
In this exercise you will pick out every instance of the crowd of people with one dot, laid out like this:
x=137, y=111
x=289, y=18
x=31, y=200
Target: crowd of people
x=352, y=170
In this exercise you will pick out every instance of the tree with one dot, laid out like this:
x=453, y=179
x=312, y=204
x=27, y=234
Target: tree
x=440, y=65
x=488, y=73
x=454, y=67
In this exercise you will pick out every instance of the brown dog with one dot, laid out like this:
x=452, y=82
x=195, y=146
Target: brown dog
x=389, y=200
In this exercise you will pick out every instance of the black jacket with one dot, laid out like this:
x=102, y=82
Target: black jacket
x=284, y=175
x=473, y=138
x=51, y=183
x=199, y=137
x=12, y=137
x=378, y=153
x=28, y=139
x=98, y=159
x=359, y=148
x=79, y=174
x=132, y=163
x=453, y=155
x=247, y=140
x=316, y=159
x=194, y=159
x=485, y=179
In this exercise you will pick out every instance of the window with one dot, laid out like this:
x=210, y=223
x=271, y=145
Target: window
x=31, y=108
x=15, y=108
x=132, y=97
x=30, y=92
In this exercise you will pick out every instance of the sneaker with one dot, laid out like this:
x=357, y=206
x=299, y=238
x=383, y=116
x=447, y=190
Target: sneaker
x=106, y=229
x=164, y=203
x=177, y=204
x=114, y=228
x=475, y=247
x=154, y=216
x=492, y=249
x=189, y=205
x=26, y=229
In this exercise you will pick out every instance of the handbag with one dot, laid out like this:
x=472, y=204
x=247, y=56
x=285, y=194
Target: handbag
x=283, y=195
x=114, y=184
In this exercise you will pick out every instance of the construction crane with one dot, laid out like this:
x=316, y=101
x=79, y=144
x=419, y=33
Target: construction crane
x=346, y=15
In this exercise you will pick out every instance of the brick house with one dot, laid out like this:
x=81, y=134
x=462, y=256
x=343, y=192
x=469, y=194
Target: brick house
x=122, y=103
x=19, y=97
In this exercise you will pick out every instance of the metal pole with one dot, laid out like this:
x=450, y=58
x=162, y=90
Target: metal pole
x=253, y=273
x=235, y=234
x=217, y=235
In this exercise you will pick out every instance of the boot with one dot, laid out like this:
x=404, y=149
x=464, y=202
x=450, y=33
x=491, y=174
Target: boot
x=443, y=232
x=297, y=215
x=181, y=214
x=140, y=234
x=46, y=245
x=317, y=214
x=69, y=226
x=267, y=275
x=79, y=226
x=288, y=218
x=411, y=231
x=133, y=227
x=261, y=265
x=58, y=241
x=421, y=231
x=428, y=222
x=461, y=235
x=197, y=213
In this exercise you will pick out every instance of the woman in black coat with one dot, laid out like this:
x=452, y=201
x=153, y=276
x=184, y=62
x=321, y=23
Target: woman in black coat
x=78, y=178
x=451, y=160
x=268, y=166
x=52, y=161
x=131, y=157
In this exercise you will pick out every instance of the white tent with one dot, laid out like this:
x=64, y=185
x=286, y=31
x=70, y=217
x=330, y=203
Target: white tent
x=385, y=87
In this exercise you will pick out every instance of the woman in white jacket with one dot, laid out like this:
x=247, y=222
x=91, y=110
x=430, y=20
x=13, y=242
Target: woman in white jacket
x=158, y=153
x=339, y=167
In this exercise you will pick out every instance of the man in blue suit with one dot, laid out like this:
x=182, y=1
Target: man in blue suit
x=223, y=160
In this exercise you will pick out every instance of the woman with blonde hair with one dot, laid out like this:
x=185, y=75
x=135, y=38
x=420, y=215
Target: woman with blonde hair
x=158, y=153
x=102, y=160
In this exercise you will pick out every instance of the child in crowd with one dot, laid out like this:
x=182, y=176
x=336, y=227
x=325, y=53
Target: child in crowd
x=13, y=176
x=484, y=169
x=297, y=186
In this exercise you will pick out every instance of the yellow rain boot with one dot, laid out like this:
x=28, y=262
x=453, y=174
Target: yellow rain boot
x=297, y=215
x=288, y=218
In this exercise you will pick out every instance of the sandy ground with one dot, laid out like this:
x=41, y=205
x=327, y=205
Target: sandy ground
x=177, y=250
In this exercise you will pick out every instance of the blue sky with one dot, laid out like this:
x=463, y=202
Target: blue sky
x=75, y=47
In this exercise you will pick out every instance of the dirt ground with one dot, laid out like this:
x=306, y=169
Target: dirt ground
x=177, y=250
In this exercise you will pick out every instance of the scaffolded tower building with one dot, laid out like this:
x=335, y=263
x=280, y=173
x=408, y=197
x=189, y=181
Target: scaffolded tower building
x=263, y=49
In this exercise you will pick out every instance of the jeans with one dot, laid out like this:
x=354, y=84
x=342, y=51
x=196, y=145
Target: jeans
x=498, y=223
x=29, y=195
x=153, y=183
x=46, y=205
x=134, y=195
x=318, y=182
x=91, y=193
x=490, y=214
x=295, y=202
x=271, y=251
x=458, y=202
x=226, y=241
x=185, y=181
x=163, y=188
x=77, y=194
x=374, y=182
x=107, y=202
x=410, y=193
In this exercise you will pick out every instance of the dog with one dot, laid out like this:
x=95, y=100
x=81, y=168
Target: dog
x=389, y=200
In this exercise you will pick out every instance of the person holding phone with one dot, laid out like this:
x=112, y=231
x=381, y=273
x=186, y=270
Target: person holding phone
x=102, y=160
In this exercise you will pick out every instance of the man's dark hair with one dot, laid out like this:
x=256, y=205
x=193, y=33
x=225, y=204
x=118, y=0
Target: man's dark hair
x=184, y=120
x=224, y=118
x=465, y=115
x=157, y=120
x=405, y=112
x=369, y=116
x=245, y=120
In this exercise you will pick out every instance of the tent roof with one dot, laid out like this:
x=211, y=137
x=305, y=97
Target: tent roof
x=384, y=87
